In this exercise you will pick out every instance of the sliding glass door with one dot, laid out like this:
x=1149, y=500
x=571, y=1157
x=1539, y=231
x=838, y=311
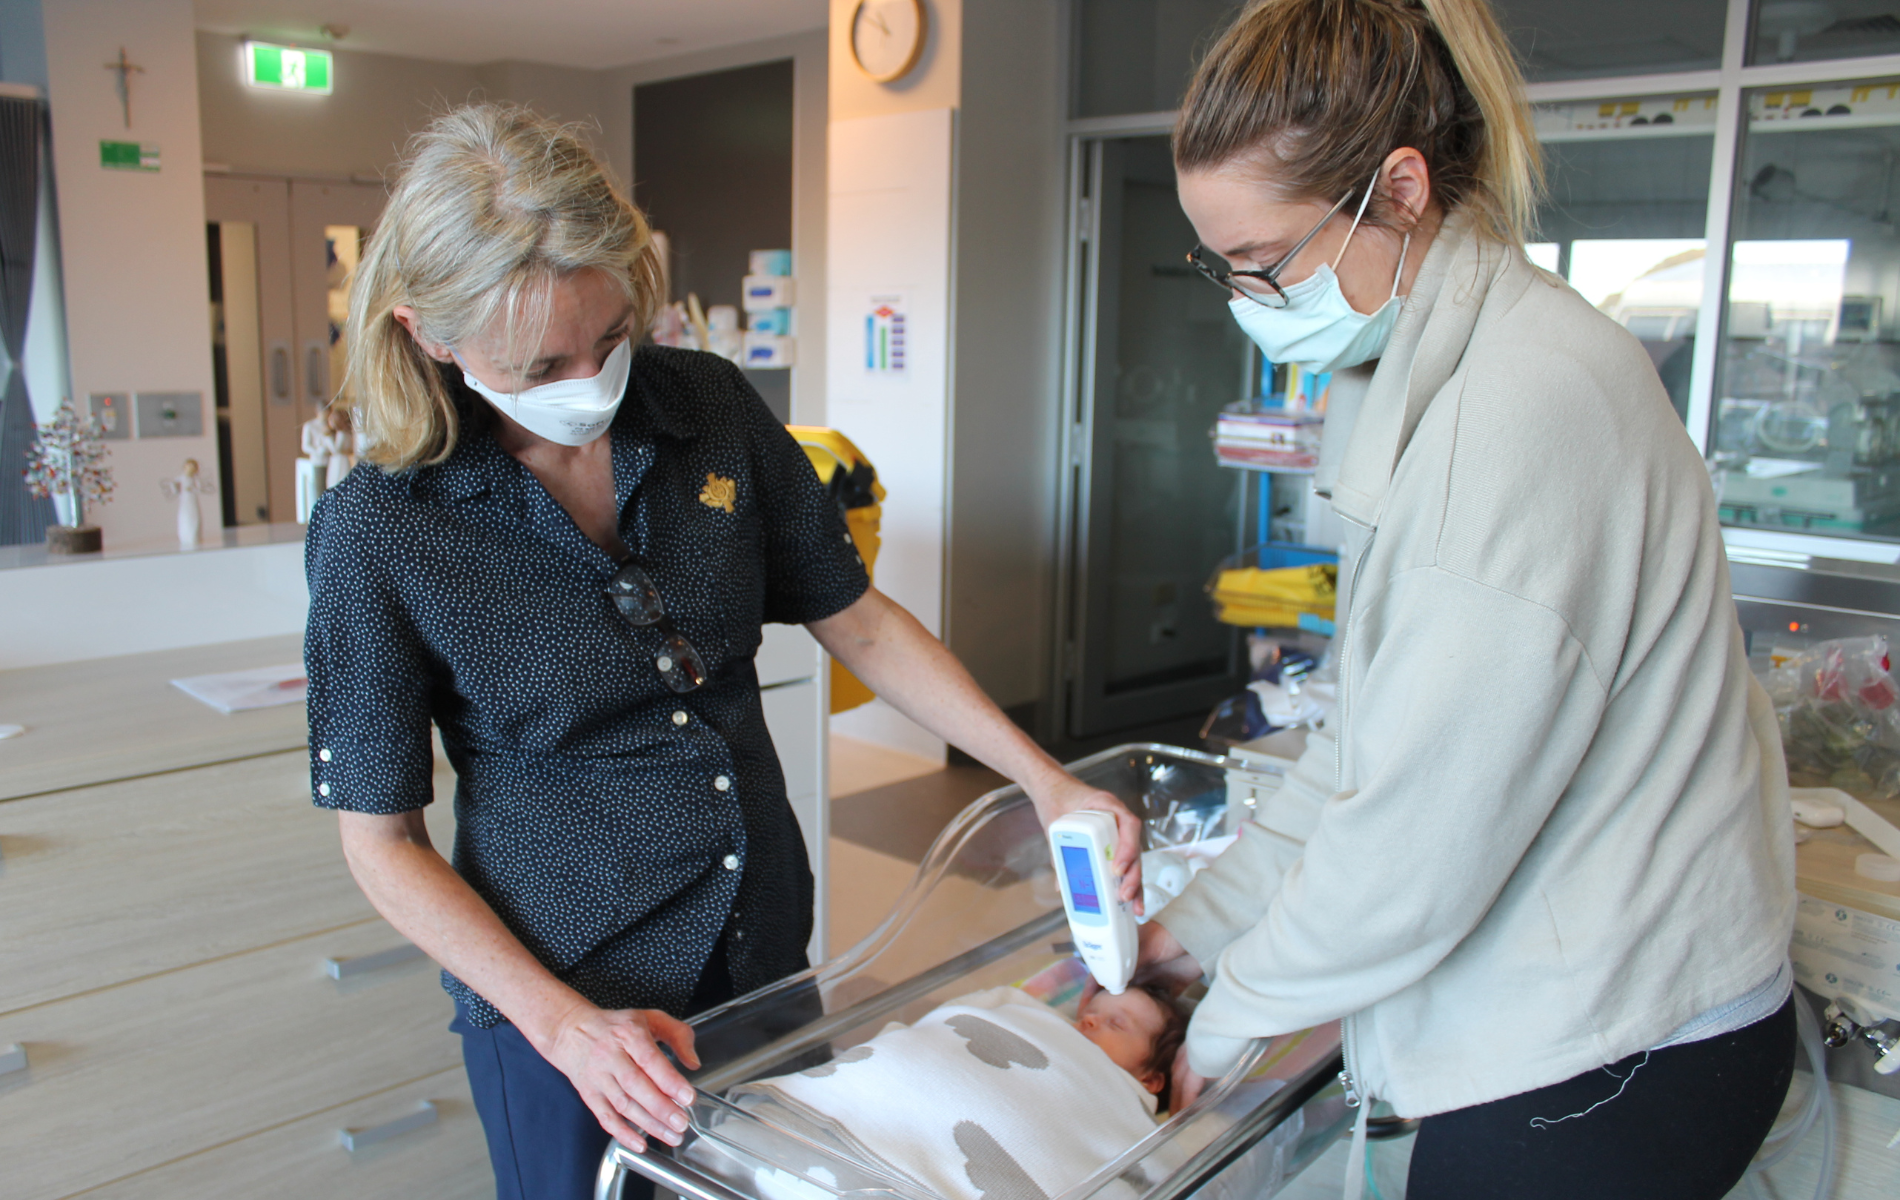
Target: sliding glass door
x=1153, y=514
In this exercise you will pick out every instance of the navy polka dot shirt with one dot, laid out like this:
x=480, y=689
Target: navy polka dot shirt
x=616, y=827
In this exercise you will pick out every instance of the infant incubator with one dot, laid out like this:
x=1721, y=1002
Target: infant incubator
x=985, y=910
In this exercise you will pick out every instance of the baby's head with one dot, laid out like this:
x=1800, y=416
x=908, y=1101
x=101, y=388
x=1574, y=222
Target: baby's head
x=1140, y=1030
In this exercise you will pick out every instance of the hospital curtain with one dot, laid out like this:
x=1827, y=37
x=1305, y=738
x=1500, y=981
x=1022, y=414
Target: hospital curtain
x=23, y=518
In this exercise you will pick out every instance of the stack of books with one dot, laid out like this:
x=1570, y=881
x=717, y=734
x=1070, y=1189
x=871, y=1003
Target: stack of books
x=1267, y=439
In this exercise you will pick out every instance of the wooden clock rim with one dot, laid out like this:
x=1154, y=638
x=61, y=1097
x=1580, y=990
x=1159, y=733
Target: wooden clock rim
x=916, y=48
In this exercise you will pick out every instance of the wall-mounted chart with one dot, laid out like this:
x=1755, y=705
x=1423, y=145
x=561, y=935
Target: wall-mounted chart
x=884, y=334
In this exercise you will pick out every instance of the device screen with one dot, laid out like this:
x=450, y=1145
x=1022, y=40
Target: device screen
x=1081, y=873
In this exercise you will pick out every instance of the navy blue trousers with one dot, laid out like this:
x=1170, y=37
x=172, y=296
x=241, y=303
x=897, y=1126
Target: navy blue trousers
x=1675, y=1124
x=543, y=1141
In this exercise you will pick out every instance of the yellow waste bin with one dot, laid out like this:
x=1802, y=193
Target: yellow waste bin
x=852, y=483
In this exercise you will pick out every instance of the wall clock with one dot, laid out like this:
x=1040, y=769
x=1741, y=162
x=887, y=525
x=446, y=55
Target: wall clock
x=887, y=37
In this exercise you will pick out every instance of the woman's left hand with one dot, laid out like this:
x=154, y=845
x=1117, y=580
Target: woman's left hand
x=1062, y=793
x=1187, y=1085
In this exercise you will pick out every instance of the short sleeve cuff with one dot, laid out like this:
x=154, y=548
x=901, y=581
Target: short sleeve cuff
x=806, y=609
x=369, y=777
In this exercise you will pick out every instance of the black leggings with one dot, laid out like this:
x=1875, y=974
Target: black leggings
x=1675, y=1124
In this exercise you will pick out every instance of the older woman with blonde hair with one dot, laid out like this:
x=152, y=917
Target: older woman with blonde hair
x=562, y=565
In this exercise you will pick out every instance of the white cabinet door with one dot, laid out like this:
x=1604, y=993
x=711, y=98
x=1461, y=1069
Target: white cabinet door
x=797, y=715
x=446, y=1159
x=110, y=883
x=787, y=654
x=123, y=1079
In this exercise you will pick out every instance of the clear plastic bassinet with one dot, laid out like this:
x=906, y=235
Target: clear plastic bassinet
x=983, y=910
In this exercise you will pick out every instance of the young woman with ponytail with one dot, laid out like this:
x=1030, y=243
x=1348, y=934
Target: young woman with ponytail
x=1541, y=862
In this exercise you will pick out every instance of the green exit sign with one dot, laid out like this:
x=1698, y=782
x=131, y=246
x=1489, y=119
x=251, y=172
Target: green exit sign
x=287, y=68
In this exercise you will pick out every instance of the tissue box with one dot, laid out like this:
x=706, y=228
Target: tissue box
x=766, y=350
x=770, y=320
x=769, y=262
x=767, y=291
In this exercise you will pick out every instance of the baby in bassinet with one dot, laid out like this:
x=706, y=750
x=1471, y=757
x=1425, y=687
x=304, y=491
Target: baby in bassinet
x=1139, y=1030
x=993, y=1094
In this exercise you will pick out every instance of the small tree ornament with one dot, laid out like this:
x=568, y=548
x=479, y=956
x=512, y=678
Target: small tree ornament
x=67, y=465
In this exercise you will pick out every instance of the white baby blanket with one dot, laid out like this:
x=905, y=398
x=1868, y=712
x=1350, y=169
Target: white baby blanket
x=993, y=1096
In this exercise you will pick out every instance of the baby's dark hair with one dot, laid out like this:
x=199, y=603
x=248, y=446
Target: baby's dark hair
x=1168, y=1041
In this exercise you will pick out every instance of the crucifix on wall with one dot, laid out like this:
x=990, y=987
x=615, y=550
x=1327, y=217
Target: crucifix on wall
x=126, y=69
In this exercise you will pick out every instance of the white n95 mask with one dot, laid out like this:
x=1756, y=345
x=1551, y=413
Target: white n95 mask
x=1319, y=329
x=572, y=412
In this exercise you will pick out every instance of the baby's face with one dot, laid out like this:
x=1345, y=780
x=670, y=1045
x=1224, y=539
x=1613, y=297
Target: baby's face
x=1126, y=1027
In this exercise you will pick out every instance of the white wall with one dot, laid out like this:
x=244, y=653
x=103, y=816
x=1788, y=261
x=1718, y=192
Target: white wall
x=935, y=82
x=379, y=100
x=969, y=531
x=133, y=242
x=358, y=129
x=1005, y=411
x=892, y=167
x=890, y=235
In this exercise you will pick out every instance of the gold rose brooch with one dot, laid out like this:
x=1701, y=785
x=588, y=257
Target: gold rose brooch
x=718, y=493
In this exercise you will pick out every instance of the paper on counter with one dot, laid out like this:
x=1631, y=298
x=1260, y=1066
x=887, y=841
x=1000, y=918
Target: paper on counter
x=262, y=687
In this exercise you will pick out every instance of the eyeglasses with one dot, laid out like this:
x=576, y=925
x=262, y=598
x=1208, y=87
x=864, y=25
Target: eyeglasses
x=639, y=605
x=1260, y=286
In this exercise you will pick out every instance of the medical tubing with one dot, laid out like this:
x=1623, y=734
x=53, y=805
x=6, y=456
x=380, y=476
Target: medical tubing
x=1372, y=1180
x=1820, y=1102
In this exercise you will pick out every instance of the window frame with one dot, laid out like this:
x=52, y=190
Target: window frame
x=1730, y=82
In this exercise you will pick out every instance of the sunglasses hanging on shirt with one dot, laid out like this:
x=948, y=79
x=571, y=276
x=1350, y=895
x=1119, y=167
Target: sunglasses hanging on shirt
x=639, y=605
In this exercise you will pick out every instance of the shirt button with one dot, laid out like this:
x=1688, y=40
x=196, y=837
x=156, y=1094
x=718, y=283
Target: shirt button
x=680, y=718
x=737, y=934
x=722, y=784
x=732, y=862
x=323, y=789
x=323, y=756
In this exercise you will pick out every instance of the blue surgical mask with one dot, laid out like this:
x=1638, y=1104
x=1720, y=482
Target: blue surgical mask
x=1319, y=329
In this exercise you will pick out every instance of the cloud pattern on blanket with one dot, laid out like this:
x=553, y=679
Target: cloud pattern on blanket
x=856, y=1054
x=995, y=1173
x=992, y=1096
x=993, y=1044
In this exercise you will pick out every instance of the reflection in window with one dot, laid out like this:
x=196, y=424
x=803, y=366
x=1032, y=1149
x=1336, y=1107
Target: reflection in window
x=1562, y=39
x=1136, y=56
x=1807, y=416
x=343, y=246
x=1812, y=30
x=1629, y=191
x=1650, y=286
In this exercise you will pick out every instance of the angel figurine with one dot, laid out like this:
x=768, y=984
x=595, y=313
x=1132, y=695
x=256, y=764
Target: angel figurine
x=187, y=486
x=329, y=450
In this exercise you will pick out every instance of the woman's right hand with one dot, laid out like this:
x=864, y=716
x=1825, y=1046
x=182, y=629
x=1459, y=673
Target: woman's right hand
x=614, y=1061
x=1160, y=958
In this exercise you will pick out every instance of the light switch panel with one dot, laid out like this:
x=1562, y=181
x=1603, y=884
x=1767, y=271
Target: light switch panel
x=170, y=414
